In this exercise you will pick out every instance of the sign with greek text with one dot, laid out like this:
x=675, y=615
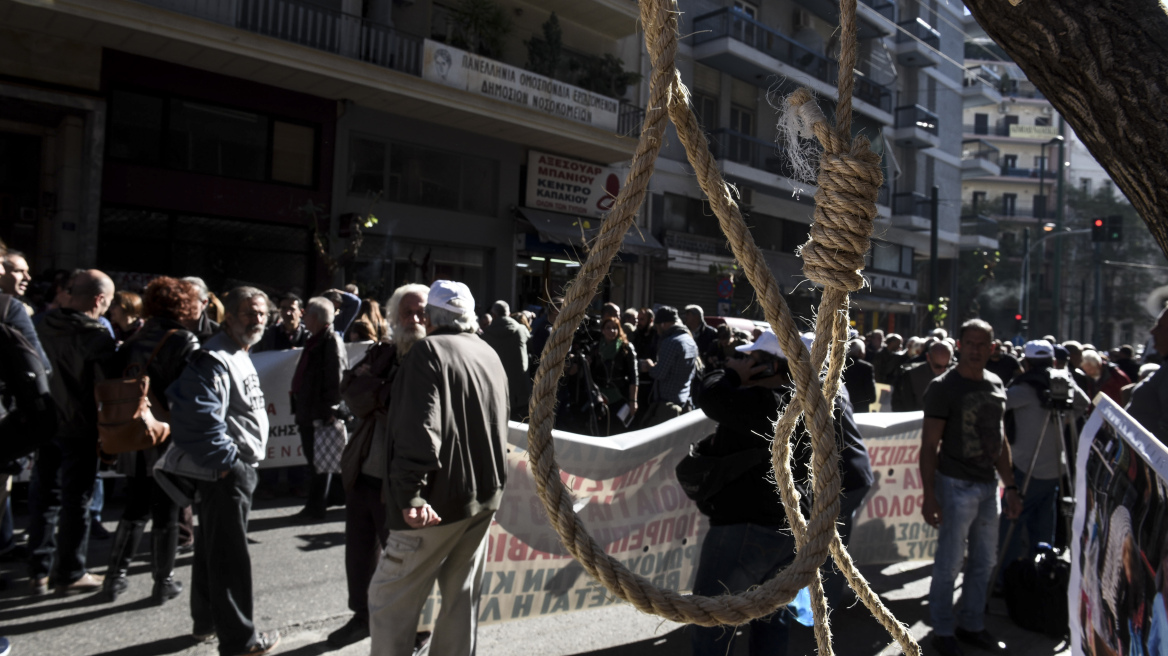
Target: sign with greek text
x=561, y=184
x=511, y=84
x=1033, y=131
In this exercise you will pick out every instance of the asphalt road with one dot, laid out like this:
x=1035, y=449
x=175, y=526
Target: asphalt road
x=298, y=573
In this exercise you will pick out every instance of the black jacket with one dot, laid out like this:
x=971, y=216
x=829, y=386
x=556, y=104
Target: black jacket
x=277, y=339
x=166, y=367
x=619, y=373
x=745, y=415
x=320, y=386
x=860, y=380
x=81, y=352
x=206, y=328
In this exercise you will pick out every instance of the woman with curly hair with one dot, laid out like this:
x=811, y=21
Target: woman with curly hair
x=167, y=303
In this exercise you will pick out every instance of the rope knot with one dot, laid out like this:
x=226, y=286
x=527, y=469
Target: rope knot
x=845, y=206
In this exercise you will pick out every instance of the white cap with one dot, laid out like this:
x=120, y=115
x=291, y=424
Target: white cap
x=765, y=342
x=1038, y=349
x=451, y=295
x=808, y=339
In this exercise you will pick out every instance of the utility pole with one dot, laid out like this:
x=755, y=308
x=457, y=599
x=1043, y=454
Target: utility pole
x=934, y=262
x=1023, y=309
x=1058, y=228
x=1096, y=332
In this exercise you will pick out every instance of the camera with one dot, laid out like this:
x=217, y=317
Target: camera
x=1060, y=391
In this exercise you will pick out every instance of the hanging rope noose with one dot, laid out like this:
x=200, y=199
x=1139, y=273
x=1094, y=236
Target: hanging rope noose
x=848, y=182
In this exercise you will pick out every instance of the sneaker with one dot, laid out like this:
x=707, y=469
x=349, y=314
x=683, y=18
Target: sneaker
x=982, y=640
x=265, y=642
x=38, y=586
x=355, y=630
x=88, y=582
x=202, y=633
x=947, y=646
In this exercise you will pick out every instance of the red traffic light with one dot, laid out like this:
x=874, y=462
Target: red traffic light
x=1098, y=223
x=1017, y=317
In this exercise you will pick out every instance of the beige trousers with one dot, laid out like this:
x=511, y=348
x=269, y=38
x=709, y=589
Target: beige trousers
x=455, y=556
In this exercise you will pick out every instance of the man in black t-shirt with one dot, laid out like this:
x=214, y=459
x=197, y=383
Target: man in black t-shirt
x=963, y=444
x=1003, y=365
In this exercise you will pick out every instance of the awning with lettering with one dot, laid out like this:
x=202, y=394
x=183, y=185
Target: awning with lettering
x=884, y=303
x=574, y=230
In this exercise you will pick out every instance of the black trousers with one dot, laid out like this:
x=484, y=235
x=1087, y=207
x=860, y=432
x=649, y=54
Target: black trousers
x=59, y=530
x=221, y=590
x=318, y=484
x=365, y=535
x=145, y=499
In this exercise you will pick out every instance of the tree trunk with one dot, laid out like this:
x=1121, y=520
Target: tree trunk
x=1103, y=64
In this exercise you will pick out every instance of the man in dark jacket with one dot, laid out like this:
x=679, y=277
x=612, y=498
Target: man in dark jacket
x=749, y=541
x=447, y=467
x=859, y=377
x=204, y=327
x=509, y=339
x=367, y=388
x=703, y=333
x=909, y=393
x=316, y=395
x=290, y=333
x=79, y=349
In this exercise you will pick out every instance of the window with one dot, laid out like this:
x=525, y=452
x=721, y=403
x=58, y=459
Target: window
x=416, y=175
x=706, y=109
x=1042, y=120
x=1039, y=206
x=978, y=201
x=1108, y=187
x=1040, y=162
x=981, y=123
x=1085, y=185
x=1009, y=201
x=885, y=257
x=742, y=121
x=199, y=137
x=745, y=7
x=906, y=260
x=1009, y=161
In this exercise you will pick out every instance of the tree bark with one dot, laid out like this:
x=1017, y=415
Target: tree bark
x=1103, y=64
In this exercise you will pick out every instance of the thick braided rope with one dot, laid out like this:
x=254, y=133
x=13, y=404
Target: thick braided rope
x=667, y=92
x=660, y=28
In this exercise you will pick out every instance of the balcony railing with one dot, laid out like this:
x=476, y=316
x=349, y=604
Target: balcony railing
x=912, y=204
x=883, y=7
x=307, y=24
x=733, y=23
x=981, y=226
x=1036, y=173
x=751, y=151
x=979, y=149
x=916, y=116
x=982, y=75
x=921, y=30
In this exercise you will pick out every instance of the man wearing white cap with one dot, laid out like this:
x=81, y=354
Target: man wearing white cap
x=447, y=466
x=1026, y=396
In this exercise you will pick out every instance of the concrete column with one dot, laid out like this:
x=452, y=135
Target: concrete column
x=67, y=218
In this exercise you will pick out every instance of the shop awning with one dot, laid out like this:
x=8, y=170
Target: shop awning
x=574, y=230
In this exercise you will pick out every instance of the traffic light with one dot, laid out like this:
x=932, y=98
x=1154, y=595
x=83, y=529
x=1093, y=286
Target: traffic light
x=1114, y=228
x=1098, y=230
x=1018, y=323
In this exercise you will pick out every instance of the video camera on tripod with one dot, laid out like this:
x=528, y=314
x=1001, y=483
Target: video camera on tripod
x=1059, y=392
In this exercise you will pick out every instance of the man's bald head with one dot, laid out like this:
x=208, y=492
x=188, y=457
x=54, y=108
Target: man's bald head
x=91, y=292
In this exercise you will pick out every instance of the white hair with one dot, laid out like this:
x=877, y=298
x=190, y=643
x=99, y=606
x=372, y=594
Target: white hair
x=1092, y=358
x=393, y=305
x=321, y=308
x=201, y=286
x=501, y=309
x=442, y=318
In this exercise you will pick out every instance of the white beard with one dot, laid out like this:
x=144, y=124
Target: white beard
x=406, y=336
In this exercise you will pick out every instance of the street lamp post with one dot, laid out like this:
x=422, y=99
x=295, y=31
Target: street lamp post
x=1058, y=228
x=1042, y=174
x=1026, y=271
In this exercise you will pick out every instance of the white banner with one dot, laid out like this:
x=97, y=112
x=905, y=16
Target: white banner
x=276, y=369
x=1119, y=549
x=560, y=184
x=494, y=79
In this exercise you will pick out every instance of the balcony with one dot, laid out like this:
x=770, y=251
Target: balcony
x=883, y=8
x=979, y=231
x=877, y=18
x=979, y=159
x=738, y=45
x=754, y=152
x=917, y=44
x=981, y=87
x=1012, y=130
x=912, y=211
x=916, y=127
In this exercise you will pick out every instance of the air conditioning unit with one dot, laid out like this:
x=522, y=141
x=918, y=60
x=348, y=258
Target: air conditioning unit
x=1048, y=110
x=802, y=20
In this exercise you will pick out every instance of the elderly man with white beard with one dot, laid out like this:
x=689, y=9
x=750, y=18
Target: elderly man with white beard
x=366, y=390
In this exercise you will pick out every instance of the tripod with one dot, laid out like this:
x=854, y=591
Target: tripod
x=1067, y=494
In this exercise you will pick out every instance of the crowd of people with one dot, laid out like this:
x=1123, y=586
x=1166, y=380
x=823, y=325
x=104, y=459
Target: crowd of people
x=426, y=410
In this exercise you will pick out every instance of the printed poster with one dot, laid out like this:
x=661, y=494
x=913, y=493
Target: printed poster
x=1119, y=553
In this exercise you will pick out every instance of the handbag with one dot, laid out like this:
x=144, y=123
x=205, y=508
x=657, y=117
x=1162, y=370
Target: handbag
x=329, y=438
x=702, y=476
x=124, y=420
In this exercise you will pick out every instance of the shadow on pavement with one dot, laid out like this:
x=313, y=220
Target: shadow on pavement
x=156, y=648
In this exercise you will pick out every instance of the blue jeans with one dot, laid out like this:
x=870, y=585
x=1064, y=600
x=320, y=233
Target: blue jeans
x=735, y=558
x=969, y=512
x=1039, y=512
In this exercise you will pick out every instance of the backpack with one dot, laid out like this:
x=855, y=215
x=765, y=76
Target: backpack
x=1036, y=592
x=124, y=420
x=32, y=414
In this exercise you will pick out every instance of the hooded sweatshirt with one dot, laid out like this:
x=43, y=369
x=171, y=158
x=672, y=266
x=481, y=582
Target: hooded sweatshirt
x=217, y=409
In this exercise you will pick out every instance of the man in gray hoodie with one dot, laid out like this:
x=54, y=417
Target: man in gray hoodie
x=219, y=419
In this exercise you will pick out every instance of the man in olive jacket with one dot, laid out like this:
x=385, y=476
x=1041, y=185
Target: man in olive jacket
x=447, y=466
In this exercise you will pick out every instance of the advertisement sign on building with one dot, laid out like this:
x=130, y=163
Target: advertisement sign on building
x=892, y=283
x=559, y=184
x=487, y=77
x=1033, y=131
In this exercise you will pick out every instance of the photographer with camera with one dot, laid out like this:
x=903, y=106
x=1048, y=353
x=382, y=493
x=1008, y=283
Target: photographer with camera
x=1040, y=399
x=581, y=407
